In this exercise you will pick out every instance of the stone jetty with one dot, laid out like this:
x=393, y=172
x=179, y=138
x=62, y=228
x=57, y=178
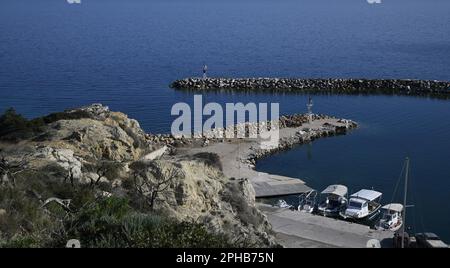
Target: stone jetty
x=335, y=86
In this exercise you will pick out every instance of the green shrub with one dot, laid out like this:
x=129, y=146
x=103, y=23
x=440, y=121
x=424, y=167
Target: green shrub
x=112, y=223
x=14, y=127
x=97, y=222
x=10, y=121
x=108, y=222
x=74, y=115
x=23, y=241
x=24, y=215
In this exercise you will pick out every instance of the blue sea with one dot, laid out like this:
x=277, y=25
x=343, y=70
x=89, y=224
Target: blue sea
x=124, y=54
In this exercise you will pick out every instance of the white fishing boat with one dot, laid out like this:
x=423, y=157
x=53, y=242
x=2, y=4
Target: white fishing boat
x=307, y=201
x=334, y=202
x=364, y=204
x=391, y=218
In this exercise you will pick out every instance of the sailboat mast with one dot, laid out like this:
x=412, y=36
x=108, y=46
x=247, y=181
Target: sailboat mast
x=404, y=201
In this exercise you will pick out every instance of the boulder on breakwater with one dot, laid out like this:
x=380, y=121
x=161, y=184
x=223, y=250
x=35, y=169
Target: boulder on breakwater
x=339, y=86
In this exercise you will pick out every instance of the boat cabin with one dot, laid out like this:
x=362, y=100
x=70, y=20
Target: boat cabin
x=391, y=218
x=334, y=200
x=363, y=204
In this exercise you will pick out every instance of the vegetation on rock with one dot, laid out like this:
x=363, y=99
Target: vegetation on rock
x=88, y=179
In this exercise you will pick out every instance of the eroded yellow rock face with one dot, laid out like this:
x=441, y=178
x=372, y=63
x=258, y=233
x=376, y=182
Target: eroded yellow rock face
x=203, y=194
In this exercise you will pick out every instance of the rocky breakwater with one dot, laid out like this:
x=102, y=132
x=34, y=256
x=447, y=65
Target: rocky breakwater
x=339, y=86
x=297, y=129
x=253, y=129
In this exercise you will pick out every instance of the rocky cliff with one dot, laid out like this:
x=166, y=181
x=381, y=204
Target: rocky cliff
x=107, y=148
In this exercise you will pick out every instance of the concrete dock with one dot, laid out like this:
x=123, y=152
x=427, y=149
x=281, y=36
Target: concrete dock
x=274, y=185
x=296, y=229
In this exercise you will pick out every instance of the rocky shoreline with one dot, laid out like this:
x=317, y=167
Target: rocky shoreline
x=335, y=86
x=305, y=135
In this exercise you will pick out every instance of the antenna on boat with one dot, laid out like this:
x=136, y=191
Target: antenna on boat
x=404, y=202
x=309, y=106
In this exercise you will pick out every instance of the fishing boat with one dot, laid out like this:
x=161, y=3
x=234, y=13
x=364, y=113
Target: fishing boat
x=307, y=201
x=364, y=204
x=334, y=202
x=391, y=218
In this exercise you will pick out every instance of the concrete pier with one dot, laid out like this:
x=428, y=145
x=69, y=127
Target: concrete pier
x=296, y=229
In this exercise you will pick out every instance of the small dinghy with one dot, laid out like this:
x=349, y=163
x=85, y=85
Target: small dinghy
x=391, y=218
x=307, y=201
x=335, y=201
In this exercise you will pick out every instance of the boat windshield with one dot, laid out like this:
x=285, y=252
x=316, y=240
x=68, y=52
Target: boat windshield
x=387, y=217
x=354, y=204
x=333, y=203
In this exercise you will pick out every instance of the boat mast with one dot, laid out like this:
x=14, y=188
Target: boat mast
x=404, y=201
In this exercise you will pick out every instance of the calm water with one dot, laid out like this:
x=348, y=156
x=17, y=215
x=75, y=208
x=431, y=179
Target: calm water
x=372, y=156
x=124, y=54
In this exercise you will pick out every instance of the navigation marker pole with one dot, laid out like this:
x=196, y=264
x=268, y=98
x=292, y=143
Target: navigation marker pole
x=309, y=106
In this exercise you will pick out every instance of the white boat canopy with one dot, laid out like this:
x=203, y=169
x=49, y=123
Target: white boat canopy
x=393, y=207
x=368, y=195
x=339, y=190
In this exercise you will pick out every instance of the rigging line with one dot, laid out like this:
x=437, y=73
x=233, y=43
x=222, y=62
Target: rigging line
x=398, y=183
x=414, y=216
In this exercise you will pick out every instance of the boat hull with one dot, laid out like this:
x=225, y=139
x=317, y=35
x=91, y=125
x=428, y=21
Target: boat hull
x=394, y=228
x=369, y=217
x=328, y=212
